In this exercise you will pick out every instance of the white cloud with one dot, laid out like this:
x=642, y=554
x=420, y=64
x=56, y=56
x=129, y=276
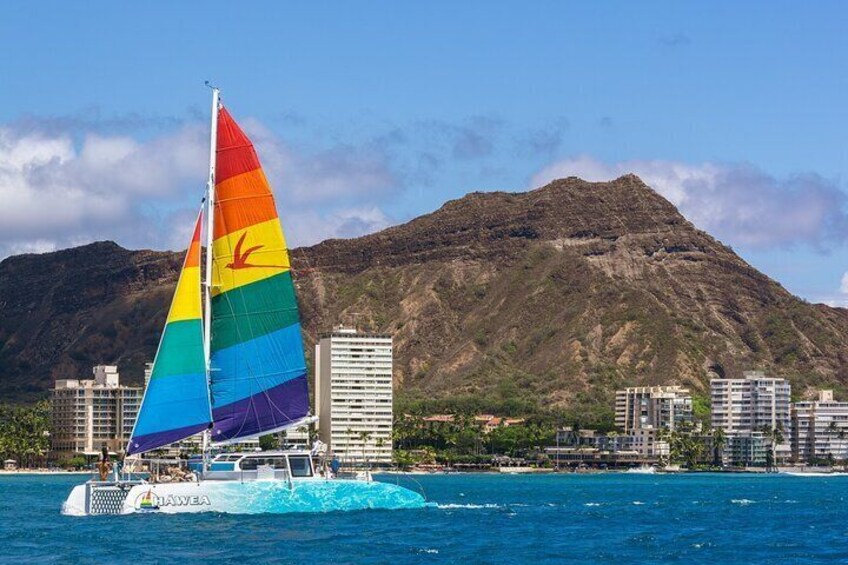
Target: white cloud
x=841, y=300
x=55, y=192
x=343, y=173
x=738, y=203
x=312, y=226
x=58, y=190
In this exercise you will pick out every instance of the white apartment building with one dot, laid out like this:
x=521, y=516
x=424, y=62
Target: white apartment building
x=87, y=414
x=820, y=429
x=652, y=407
x=754, y=403
x=751, y=403
x=353, y=394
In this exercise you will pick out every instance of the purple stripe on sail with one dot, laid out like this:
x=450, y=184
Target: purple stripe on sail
x=155, y=440
x=263, y=411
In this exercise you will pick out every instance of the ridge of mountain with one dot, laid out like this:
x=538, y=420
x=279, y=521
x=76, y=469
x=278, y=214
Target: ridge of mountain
x=558, y=295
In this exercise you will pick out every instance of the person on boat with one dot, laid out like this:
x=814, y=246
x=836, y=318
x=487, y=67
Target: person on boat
x=177, y=474
x=319, y=448
x=105, y=465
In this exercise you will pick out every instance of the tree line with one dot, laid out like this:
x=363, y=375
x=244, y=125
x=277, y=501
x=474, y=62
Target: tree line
x=25, y=434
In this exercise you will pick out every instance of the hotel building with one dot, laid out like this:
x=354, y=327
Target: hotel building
x=353, y=395
x=755, y=403
x=820, y=429
x=652, y=407
x=751, y=403
x=87, y=414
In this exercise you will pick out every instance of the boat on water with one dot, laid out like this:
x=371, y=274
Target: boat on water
x=230, y=365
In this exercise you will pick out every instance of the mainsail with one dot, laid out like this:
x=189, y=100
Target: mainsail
x=258, y=371
x=176, y=401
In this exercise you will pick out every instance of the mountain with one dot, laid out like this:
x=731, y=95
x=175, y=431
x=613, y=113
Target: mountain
x=557, y=296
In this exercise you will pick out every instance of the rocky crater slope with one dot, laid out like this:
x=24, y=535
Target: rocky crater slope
x=560, y=294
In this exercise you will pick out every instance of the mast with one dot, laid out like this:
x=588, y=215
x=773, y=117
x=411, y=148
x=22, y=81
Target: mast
x=210, y=225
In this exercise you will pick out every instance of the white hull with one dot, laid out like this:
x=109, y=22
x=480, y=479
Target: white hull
x=249, y=497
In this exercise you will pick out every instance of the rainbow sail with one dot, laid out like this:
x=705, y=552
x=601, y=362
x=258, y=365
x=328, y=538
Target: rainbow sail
x=258, y=371
x=176, y=401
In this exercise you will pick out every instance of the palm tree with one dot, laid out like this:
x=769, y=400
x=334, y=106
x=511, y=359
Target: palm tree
x=775, y=435
x=719, y=441
x=364, y=437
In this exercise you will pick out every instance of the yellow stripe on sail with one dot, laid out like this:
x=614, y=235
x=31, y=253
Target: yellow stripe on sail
x=186, y=303
x=248, y=255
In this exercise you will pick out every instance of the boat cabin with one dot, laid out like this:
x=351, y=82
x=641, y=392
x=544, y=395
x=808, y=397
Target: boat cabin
x=280, y=465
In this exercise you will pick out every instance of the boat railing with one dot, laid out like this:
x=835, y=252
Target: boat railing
x=161, y=470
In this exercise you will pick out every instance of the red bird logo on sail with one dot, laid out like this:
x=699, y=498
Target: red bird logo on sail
x=240, y=257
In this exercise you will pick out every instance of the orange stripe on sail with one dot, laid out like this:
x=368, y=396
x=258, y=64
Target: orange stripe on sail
x=235, y=154
x=193, y=254
x=243, y=201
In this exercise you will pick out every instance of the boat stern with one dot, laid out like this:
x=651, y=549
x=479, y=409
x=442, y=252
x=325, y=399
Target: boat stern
x=96, y=497
x=75, y=505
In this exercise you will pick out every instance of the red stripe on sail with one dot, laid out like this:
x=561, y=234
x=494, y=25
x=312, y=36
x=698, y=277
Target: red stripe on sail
x=235, y=154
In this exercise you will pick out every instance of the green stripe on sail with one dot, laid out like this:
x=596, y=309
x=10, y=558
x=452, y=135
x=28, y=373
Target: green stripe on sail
x=181, y=351
x=253, y=310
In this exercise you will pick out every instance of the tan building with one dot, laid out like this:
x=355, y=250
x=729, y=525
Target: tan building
x=87, y=414
x=353, y=394
x=652, y=407
x=648, y=443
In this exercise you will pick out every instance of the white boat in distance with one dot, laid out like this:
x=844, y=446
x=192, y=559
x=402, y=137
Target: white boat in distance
x=232, y=366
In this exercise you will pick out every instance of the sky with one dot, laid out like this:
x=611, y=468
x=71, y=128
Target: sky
x=368, y=114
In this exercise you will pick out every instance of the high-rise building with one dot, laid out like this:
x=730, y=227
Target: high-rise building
x=652, y=407
x=820, y=429
x=353, y=394
x=90, y=413
x=755, y=403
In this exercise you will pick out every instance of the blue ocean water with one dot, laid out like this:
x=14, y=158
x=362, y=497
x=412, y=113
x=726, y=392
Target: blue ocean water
x=620, y=518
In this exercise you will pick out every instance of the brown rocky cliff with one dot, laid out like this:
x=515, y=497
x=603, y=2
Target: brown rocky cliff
x=561, y=294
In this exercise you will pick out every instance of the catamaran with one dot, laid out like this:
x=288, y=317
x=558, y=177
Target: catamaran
x=230, y=365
